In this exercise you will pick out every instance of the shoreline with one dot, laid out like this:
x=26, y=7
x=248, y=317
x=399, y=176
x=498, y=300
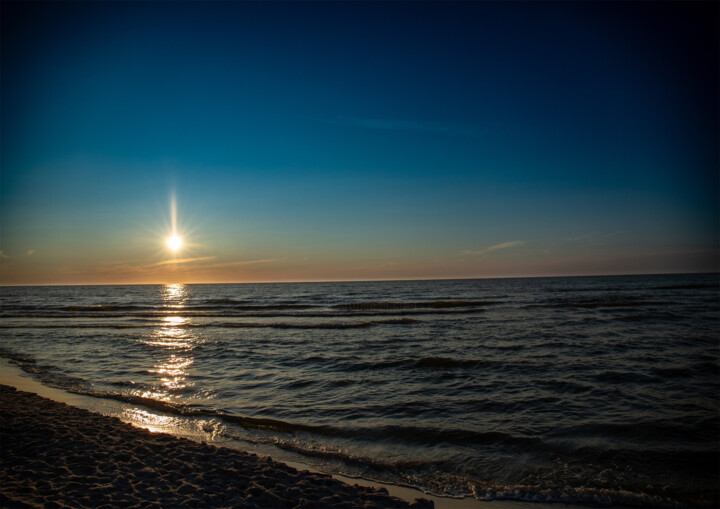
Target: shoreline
x=54, y=453
x=119, y=415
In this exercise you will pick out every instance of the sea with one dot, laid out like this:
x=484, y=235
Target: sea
x=586, y=390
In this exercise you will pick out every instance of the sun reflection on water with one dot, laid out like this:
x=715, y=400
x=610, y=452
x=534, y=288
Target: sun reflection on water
x=174, y=295
x=173, y=340
x=173, y=333
x=173, y=372
x=150, y=421
x=206, y=430
x=175, y=320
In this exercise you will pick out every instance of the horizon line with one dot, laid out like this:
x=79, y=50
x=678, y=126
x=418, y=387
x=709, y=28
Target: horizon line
x=365, y=280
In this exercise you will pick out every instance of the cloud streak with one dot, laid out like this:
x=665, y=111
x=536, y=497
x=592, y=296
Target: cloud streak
x=202, y=263
x=506, y=245
x=241, y=263
x=496, y=247
x=181, y=260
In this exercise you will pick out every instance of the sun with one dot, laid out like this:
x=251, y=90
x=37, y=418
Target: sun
x=174, y=242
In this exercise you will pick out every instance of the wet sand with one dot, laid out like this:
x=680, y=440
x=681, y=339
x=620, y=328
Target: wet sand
x=56, y=455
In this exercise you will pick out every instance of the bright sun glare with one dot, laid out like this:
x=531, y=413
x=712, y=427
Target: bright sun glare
x=174, y=242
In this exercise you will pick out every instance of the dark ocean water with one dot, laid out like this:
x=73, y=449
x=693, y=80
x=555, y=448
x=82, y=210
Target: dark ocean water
x=590, y=390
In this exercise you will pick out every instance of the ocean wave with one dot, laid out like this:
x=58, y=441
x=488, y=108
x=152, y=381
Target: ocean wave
x=440, y=304
x=429, y=477
x=603, y=303
x=353, y=363
x=241, y=313
x=235, y=325
x=588, y=289
x=696, y=286
x=155, y=404
x=16, y=358
x=228, y=305
x=352, y=459
x=51, y=376
x=642, y=431
x=449, y=363
x=254, y=307
x=645, y=317
x=504, y=347
x=107, y=307
x=706, y=367
x=550, y=486
x=673, y=372
x=572, y=495
x=226, y=301
x=48, y=375
x=623, y=377
x=189, y=307
x=566, y=386
x=337, y=325
x=394, y=433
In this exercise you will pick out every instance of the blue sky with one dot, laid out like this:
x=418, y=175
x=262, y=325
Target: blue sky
x=326, y=141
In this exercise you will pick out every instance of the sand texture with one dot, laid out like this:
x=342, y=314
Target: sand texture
x=55, y=455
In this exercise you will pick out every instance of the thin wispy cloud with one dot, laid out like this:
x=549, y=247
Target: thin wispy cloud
x=177, y=261
x=3, y=255
x=496, y=247
x=240, y=263
x=203, y=263
x=506, y=245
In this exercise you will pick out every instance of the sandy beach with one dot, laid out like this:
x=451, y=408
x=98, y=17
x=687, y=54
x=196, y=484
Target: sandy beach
x=56, y=455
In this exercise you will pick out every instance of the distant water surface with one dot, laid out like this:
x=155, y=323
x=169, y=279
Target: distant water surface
x=590, y=390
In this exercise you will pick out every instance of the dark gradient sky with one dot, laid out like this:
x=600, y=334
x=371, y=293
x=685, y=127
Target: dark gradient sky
x=325, y=141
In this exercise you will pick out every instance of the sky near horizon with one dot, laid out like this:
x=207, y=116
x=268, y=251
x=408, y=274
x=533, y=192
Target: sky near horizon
x=361, y=140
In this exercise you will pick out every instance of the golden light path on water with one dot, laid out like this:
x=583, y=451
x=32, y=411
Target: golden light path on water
x=174, y=341
x=177, y=338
